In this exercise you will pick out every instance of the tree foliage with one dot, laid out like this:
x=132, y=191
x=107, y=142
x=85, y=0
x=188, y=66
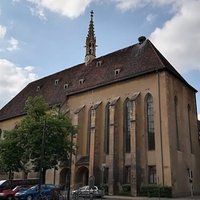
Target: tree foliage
x=44, y=133
x=10, y=154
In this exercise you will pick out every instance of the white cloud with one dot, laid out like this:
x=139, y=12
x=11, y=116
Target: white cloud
x=69, y=8
x=74, y=8
x=13, y=79
x=13, y=44
x=128, y=4
x=179, y=38
x=125, y=5
x=150, y=17
x=198, y=116
x=38, y=11
x=2, y=31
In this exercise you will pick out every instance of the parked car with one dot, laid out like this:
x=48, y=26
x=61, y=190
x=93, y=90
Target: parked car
x=33, y=192
x=10, y=184
x=86, y=191
x=10, y=194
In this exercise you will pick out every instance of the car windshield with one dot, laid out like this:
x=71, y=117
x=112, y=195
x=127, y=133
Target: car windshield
x=84, y=188
x=16, y=188
x=34, y=187
x=2, y=181
x=20, y=188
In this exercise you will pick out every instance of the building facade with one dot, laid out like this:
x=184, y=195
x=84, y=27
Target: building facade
x=137, y=120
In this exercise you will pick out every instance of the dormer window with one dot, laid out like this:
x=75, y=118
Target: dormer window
x=66, y=86
x=117, y=71
x=99, y=63
x=81, y=81
x=38, y=88
x=56, y=82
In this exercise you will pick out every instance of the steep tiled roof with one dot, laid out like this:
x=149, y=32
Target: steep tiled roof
x=130, y=62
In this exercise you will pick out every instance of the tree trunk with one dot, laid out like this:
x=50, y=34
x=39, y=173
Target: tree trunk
x=10, y=177
x=43, y=175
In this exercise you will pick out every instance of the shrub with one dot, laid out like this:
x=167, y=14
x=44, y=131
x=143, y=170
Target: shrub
x=126, y=188
x=105, y=187
x=156, y=191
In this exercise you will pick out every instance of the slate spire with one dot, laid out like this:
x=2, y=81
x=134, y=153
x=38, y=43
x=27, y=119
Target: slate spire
x=90, y=42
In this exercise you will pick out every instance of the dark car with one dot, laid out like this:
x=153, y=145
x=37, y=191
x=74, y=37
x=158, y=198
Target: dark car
x=9, y=194
x=86, y=191
x=10, y=184
x=33, y=192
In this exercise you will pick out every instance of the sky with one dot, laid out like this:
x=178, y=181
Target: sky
x=41, y=37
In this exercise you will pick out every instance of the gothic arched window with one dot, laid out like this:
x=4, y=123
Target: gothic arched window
x=150, y=122
x=176, y=121
x=128, y=108
x=189, y=128
x=107, y=129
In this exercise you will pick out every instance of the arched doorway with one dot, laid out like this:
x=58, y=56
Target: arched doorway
x=64, y=178
x=82, y=176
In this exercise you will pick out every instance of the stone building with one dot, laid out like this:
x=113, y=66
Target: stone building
x=137, y=119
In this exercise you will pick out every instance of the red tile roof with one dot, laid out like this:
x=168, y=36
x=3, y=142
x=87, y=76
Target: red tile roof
x=130, y=62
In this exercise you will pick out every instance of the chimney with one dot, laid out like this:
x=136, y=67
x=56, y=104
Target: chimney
x=141, y=39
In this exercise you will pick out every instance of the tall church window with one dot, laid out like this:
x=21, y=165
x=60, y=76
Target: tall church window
x=107, y=129
x=127, y=175
x=89, y=131
x=150, y=122
x=106, y=174
x=128, y=107
x=176, y=122
x=189, y=128
x=152, y=174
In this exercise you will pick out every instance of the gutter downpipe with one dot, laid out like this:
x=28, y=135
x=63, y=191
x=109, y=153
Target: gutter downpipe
x=161, y=136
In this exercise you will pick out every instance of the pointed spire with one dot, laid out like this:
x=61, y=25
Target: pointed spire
x=90, y=42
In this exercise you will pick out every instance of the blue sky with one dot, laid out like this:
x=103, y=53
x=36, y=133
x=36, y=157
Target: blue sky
x=40, y=37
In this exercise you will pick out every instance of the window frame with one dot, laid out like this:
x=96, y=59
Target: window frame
x=150, y=125
x=128, y=109
x=152, y=176
x=107, y=128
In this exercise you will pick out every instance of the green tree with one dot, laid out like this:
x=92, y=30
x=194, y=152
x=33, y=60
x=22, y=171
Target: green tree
x=10, y=154
x=44, y=137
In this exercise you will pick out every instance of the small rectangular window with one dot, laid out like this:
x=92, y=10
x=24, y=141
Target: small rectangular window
x=66, y=86
x=152, y=174
x=99, y=63
x=127, y=174
x=56, y=81
x=81, y=81
x=117, y=71
x=105, y=175
x=38, y=88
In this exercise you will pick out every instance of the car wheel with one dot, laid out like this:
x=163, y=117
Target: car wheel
x=29, y=197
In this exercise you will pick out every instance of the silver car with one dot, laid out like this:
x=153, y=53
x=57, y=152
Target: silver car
x=86, y=191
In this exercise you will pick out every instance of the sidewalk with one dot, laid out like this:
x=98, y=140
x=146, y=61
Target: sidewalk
x=149, y=198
